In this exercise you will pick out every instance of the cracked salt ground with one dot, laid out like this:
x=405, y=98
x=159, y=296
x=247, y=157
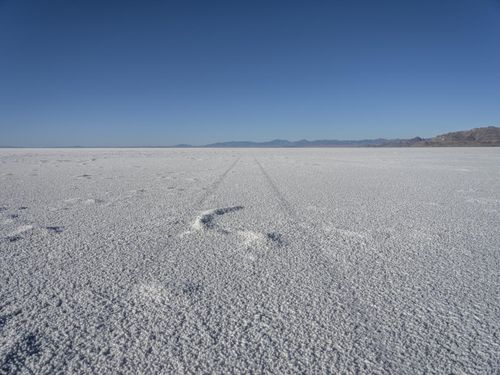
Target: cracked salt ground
x=251, y=261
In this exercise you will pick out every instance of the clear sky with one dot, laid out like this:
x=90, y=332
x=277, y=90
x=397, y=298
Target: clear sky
x=96, y=73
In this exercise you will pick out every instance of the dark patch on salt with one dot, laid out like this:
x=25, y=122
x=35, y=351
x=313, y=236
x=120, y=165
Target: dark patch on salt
x=55, y=229
x=15, y=359
x=275, y=238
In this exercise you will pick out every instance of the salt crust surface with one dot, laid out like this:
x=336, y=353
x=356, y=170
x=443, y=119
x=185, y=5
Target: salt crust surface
x=246, y=260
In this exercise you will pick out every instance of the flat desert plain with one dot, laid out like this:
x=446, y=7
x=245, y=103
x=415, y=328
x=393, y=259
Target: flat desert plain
x=250, y=261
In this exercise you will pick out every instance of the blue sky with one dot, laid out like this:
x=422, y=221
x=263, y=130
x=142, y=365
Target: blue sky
x=96, y=73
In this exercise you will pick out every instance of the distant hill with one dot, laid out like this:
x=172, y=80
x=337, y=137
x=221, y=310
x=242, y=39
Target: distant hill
x=487, y=136
x=301, y=143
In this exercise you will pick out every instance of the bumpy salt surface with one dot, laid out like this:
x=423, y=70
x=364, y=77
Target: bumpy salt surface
x=328, y=260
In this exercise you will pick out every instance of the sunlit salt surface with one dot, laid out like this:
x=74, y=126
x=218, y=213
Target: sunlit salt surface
x=250, y=260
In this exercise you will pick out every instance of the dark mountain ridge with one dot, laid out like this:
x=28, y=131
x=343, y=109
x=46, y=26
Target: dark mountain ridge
x=485, y=136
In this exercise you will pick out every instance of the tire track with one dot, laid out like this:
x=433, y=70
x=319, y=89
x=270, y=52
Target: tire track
x=309, y=242
x=317, y=264
x=215, y=185
x=191, y=212
x=198, y=206
x=286, y=206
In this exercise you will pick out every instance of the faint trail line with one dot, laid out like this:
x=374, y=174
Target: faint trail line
x=209, y=192
x=215, y=185
x=318, y=265
x=310, y=242
x=287, y=207
x=289, y=210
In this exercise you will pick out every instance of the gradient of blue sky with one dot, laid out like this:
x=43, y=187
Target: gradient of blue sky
x=165, y=72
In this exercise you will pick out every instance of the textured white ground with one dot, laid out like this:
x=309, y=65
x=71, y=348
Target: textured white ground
x=238, y=261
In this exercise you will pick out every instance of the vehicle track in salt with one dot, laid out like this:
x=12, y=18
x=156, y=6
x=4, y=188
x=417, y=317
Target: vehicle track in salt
x=209, y=192
x=193, y=212
x=317, y=264
x=215, y=185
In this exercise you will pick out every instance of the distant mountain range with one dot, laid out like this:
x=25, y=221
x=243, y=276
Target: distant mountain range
x=487, y=136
